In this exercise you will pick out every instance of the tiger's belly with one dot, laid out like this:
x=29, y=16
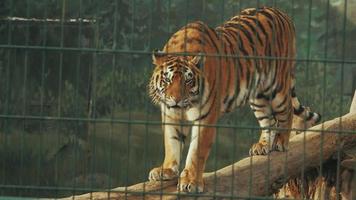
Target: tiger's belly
x=259, y=84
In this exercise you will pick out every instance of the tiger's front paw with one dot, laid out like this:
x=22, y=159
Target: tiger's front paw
x=189, y=183
x=260, y=148
x=163, y=174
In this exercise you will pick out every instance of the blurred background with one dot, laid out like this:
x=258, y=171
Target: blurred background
x=74, y=111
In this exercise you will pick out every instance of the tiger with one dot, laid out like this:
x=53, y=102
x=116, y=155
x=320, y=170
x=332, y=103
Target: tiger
x=202, y=73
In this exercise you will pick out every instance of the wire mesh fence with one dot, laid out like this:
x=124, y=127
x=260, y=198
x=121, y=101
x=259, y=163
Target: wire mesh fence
x=75, y=113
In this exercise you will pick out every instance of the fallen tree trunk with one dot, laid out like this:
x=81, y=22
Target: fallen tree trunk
x=257, y=175
x=334, y=179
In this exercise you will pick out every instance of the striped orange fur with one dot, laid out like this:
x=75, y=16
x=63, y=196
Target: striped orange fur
x=202, y=73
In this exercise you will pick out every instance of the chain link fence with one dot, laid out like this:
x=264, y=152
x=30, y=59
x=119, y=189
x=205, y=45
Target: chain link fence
x=75, y=115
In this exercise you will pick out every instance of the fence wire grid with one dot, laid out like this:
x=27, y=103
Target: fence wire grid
x=75, y=114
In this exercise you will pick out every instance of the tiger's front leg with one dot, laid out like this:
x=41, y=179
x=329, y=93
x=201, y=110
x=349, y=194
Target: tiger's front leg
x=174, y=136
x=191, y=178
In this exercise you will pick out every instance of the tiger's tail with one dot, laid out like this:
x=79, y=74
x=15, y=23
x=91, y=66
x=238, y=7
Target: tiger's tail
x=301, y=111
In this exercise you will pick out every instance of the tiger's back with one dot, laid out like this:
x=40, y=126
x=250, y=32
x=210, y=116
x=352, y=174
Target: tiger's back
x=244, y=53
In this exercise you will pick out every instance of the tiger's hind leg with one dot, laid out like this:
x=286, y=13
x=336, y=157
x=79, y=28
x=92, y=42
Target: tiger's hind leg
x=275, y=118
x=283, y=112
x=261, y=106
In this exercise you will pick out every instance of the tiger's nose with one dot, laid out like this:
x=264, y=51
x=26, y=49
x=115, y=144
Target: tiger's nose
x=177, y=100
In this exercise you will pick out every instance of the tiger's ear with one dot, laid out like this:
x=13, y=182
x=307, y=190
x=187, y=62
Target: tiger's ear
x=198, y=60
x=158, y=57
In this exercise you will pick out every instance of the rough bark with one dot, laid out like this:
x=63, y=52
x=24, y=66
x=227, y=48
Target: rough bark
x=333, y=179
x=257, y=175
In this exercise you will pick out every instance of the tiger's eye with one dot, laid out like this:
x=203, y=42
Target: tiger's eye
x=165, y=77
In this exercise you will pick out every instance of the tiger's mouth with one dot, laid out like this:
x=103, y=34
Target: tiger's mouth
x=177, y=107
x=185, y=106
x=180, y=105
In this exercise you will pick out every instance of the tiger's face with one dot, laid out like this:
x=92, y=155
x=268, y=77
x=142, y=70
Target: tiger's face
x=175, y=81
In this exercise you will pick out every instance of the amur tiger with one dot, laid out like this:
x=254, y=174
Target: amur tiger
x=202, y=73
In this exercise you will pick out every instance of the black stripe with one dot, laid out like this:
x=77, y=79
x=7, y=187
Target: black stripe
x=279, y=112
x=206, y=114
x=259, y=25
x=210, y=93
x=271, y=85
x=268, y=51
x=209, y=32
x=225, y=99
x=293, y=93
x=204, y=31
x=253, y=29
x=231, y=35
x=231, y=100
x=299, y=111
x=263, y=117
x=197, y=40
x=281, y=14
x=241, y=46
x=271, y=42
x=179, y=139
x=266, y=14
x=257, y=105
x=228, y=66
x=180, y=136
x=310, y=116
x=242, y=29
x=249, y=81
x=267, y=97
x=273, y=95
x=279, y=33
x=282, y=120
x=237, y=87
x=228, y=39
x=283, y=102
x=318, y=119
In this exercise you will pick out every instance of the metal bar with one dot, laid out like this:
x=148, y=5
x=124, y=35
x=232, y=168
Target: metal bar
x=18, y=55
x=97, y=50
x=151, y=122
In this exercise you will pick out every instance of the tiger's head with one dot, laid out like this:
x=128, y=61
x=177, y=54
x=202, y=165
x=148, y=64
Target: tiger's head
x=176, y=80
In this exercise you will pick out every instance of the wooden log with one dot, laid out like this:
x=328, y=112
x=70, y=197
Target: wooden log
x=257, y=175
x=333, y=179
